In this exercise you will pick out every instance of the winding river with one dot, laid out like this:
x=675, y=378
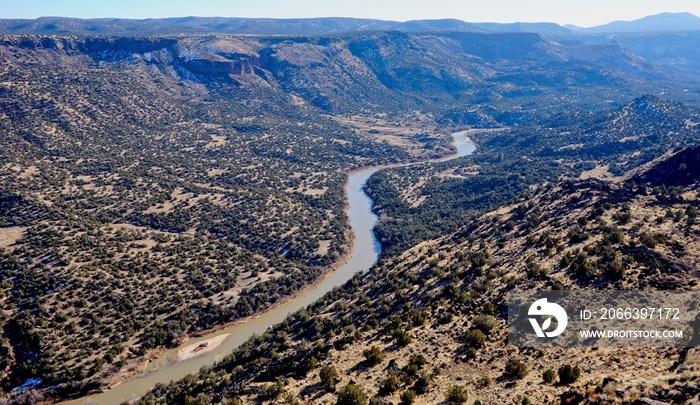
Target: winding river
x=365, y=253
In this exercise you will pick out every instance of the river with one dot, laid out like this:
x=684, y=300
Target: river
x=365, y=253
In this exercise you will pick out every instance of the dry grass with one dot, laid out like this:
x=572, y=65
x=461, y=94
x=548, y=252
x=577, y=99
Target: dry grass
x=10, y=236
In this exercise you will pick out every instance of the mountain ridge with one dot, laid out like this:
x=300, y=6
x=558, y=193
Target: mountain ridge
x=192, y=25
x=654, y=23
x=178, y=26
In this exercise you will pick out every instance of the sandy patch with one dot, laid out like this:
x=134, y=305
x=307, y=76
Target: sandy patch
x=199, y=348
x=323, y=247
x=215, y=172
x=600, y=172
x=10, y=236
x=29, y=172
x=217, y=141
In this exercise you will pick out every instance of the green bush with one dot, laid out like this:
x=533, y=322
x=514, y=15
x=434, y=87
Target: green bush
x=456, y=395
x=485, y=323
x=352, y=394
x=615, y=270
x=474, y=338
x=329, y=377
x=407, y=397
x=391, y=384
x=423, y=383
x=417, y=359
x=403, y=338
x=516, y=369
x=485, y=381
x=549, y=376
x=569, y=374
x=471, y=353
x=374, y=355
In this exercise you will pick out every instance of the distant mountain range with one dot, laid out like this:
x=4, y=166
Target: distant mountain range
x=321, y=26
x=653, y=23
x=221, y=25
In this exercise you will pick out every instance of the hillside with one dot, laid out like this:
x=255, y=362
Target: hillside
x=421, y=202
x=421, y=308
x=140, y=205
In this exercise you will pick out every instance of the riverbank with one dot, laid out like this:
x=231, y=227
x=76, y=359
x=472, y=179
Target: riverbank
x=364, y=252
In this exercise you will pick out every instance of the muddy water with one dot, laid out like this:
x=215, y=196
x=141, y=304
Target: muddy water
x=364, y=255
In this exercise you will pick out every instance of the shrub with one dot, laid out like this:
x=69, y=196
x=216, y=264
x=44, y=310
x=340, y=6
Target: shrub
x=471, y=353
x=445, y=318
x=485, y=323
x=329, y=376
x=485, y=381
x=352, y=394
x=407, y=397
x=651, y=241
x=391, y=384
x=456, y=395
x=475, y=338
x=423, y=383
x=534, y=271
x=310, y=364
x=273, y=391
x=568, y=374
x=577, y=235
x=549, y=376
x=411, y=370
x=615, y=270
x=402, y=337
x=417, y=359
x=374, y=355
x=516, y=369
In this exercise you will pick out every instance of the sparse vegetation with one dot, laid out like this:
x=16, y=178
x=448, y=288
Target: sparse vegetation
x=456, y=395
x=153, y=188
x=379, y=298
x=569, y=374
x=516, y=369
x=352, y=394
x=407, y=397
x=329, y=377
x=549, y=376
x=374, y=355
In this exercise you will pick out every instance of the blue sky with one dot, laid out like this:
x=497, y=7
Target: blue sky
x=579, y=12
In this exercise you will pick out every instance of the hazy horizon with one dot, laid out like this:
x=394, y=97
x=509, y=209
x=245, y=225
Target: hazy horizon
x=592, y=13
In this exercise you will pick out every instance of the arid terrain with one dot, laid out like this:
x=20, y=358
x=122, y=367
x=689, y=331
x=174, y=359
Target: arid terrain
x=162, y=179
x=421, y=308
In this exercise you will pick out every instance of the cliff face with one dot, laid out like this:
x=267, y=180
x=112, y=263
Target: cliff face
x=96, y=45
x=354, y=71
